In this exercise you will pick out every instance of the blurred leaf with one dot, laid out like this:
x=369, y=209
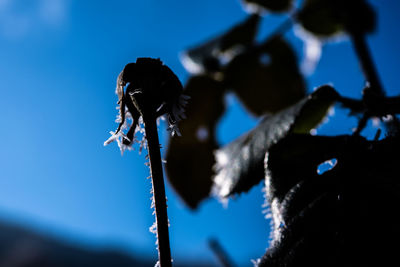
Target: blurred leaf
x=240, y=164
x=267, y=78
x=271, y=5
x=208, y=57
x=329, y=17
x=190, y=157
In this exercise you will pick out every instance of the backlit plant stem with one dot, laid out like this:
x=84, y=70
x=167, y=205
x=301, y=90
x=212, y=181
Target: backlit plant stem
x=160, y=201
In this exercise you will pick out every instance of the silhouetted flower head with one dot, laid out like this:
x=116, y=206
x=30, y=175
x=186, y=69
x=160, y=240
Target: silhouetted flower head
x=147, y=89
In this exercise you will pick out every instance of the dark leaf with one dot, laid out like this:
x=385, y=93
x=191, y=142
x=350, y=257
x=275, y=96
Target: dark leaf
x=292, y=248
x=329, y=216
x=240, y=164
x=266, y=78
x=296, y=157
x=329, y=17
x=190, y=157
x=208, y=56
x=271, y=5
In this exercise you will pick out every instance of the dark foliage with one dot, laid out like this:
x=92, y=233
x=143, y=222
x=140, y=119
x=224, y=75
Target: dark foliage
x=328, y=17
x=266, y=77
x=240, y=164
x=209, y=57
x=198, y=135
x=319, y=219
x=327, y=219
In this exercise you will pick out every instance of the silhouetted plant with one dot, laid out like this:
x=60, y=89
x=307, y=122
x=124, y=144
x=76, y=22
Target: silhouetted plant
x=152, y=90
x=319, y=218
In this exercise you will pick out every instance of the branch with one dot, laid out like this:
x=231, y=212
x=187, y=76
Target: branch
x=375, y=106
x=221, y=254
x=367, y=64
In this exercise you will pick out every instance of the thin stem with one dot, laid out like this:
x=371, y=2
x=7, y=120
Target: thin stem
x=160, y=205
x=281, y=29
x=367, y=64
x=362, y=123
x=371, y=75
x=221, y=254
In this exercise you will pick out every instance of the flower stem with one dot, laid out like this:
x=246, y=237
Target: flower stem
x=160, y=205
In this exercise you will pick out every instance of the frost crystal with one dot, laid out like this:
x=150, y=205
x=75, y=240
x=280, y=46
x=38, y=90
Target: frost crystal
x=255, y=262
x=153, y=228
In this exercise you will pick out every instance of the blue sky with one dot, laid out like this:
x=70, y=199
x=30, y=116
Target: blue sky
x=59, y=60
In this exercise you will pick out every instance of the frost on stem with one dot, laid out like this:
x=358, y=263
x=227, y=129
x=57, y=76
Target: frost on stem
x=146, y=88
x=255, y=262
x=159, y=265
x=153, y=228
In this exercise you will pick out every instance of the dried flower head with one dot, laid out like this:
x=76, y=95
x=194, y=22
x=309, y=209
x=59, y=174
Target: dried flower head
x=146, y=89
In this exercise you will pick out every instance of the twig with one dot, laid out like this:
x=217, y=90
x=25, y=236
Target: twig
x=377, y=135
x=376, y=106
x=367, y=64
x=281, y=29
x=362, y=123
x=220, y=253
x=375, y=89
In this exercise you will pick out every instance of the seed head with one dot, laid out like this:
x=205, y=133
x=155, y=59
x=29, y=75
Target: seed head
x=147, y=89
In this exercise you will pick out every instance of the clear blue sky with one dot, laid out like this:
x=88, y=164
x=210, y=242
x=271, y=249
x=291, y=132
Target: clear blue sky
x=59, y=60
